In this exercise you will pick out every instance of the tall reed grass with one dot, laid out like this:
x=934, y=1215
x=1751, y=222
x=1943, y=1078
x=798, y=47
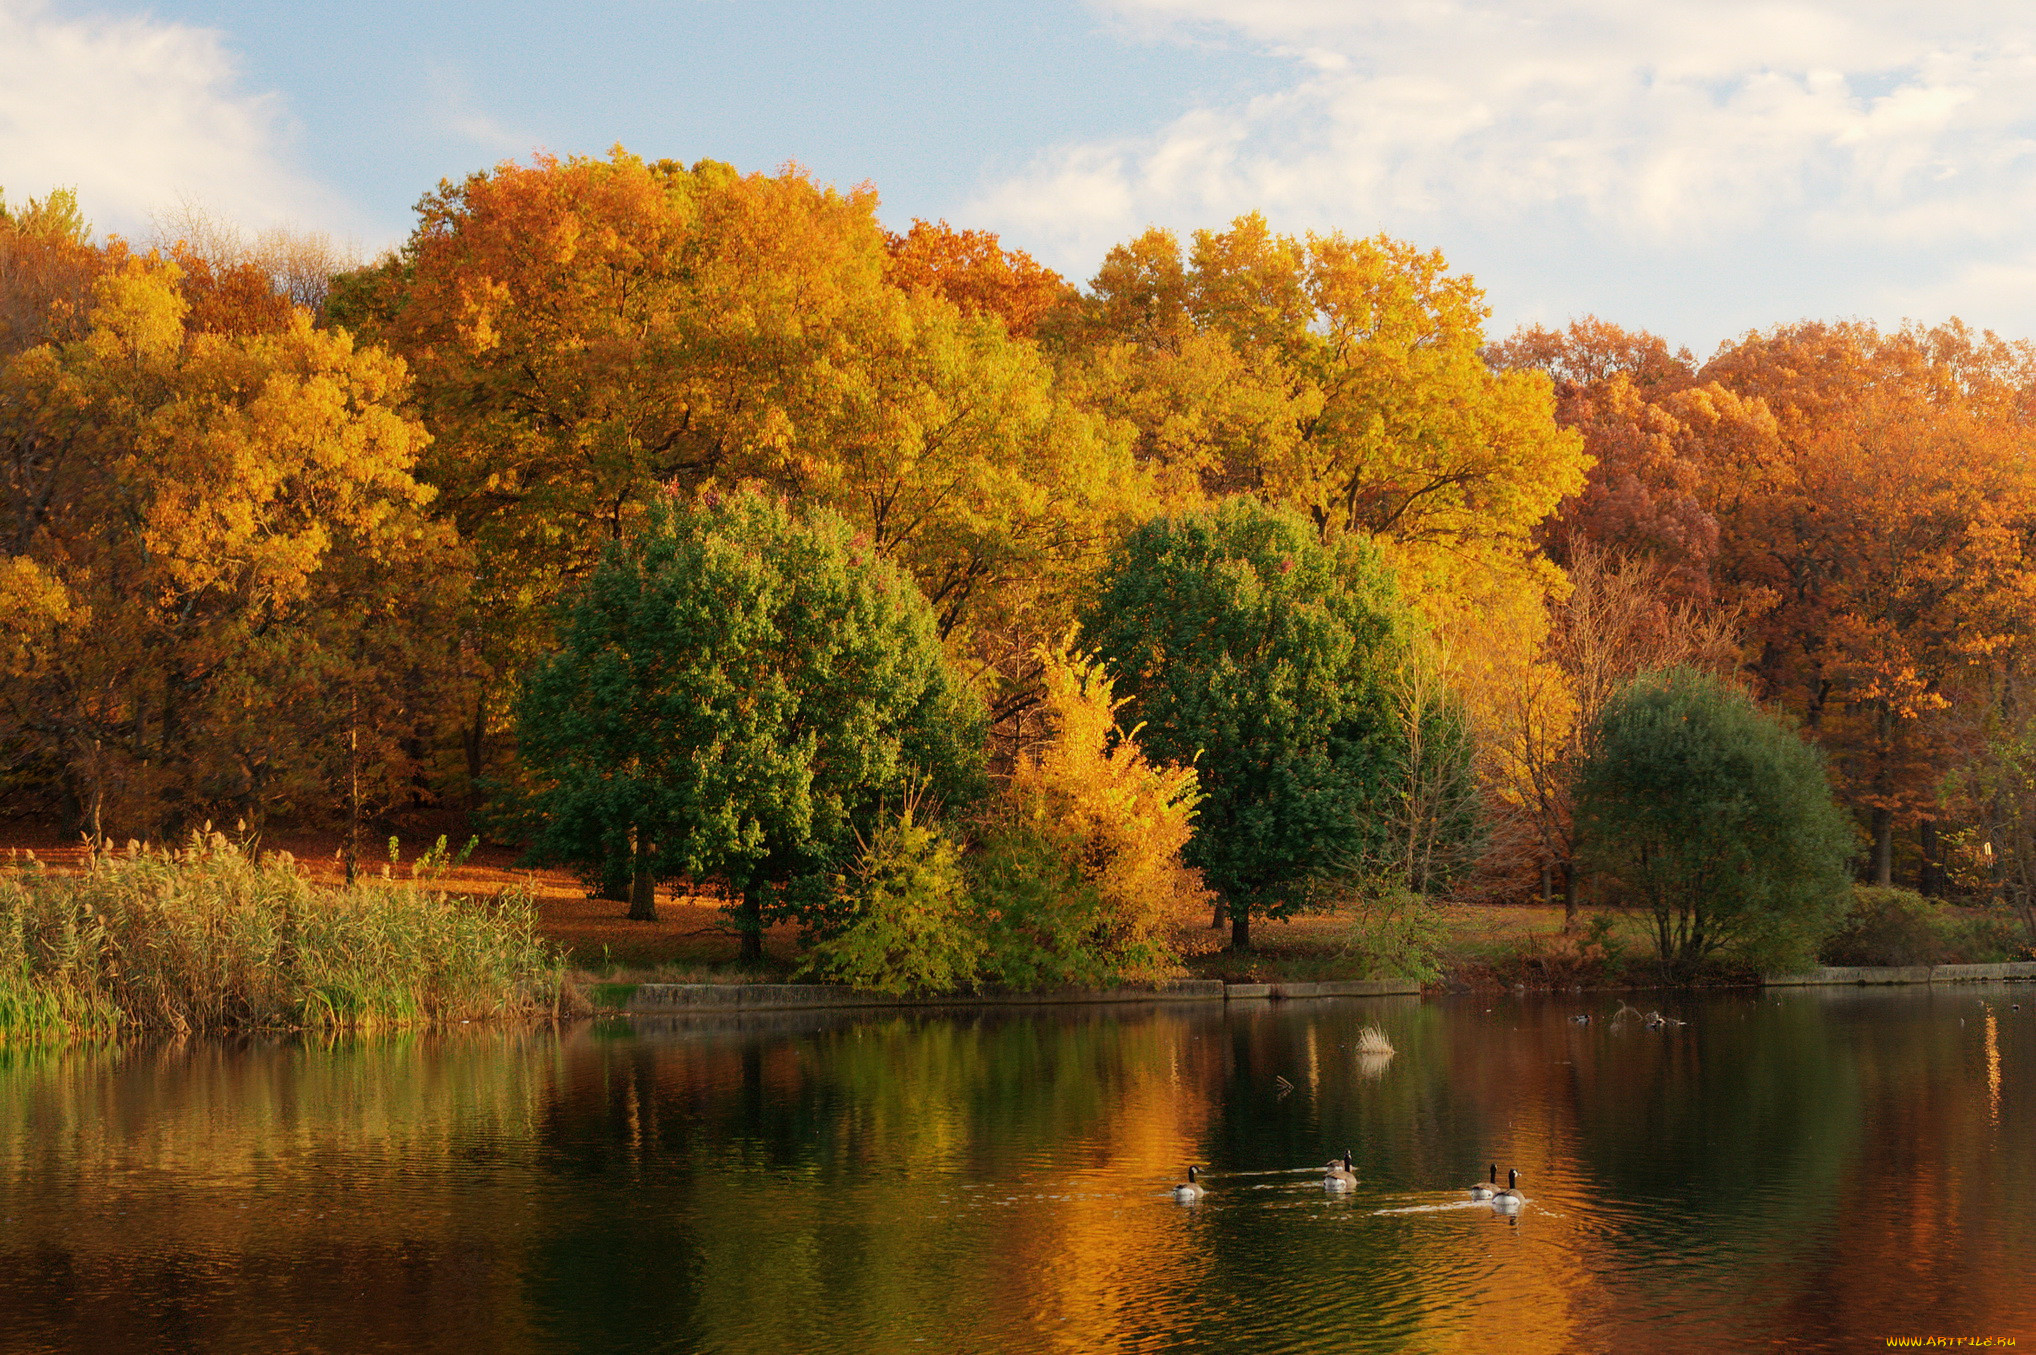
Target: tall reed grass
x=213, y=937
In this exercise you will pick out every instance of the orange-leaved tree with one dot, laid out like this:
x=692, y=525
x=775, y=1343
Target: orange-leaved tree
x=47, y=266
x=587, y=333
x=974, y=271
x=1882, y=540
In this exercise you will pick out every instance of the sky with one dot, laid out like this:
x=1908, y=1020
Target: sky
x=1696, y=169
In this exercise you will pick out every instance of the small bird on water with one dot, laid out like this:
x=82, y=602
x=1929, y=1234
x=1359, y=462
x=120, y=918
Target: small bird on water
x=1510, y=1197
x=1192, y=1191
x=1342, y=1175
x=1485, y=1190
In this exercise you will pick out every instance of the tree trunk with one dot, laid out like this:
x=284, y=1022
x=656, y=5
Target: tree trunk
x=1240, y=928
x=750, y=918
x=475, y=737
x=1219, y=913
x=1569, y=896
x=1930, y=880
x=642, y=885
x=353, y=789
x=1883, y=846
x=1547, y=885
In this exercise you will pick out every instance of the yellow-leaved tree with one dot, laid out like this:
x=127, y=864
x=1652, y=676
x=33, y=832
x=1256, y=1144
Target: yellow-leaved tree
x=1344, y=378
x=207, y=537
x=1081, y=875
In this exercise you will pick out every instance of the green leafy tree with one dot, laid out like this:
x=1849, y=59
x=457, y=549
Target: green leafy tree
x=735, y=695
x=1711, y=816
x=1265, y=658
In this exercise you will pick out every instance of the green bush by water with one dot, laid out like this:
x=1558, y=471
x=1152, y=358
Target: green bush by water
x=1892, y=926
x=1702, y=812
x=212, y=938
x=915, y=931
x=1399, y=935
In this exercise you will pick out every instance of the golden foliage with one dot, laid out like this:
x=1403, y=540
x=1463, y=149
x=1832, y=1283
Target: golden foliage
x=198, y=526
x=586, y=333
x=1089, y=793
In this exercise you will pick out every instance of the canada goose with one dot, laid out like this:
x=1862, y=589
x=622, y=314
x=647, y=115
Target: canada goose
x=1485, y=1190
x=1341, y=1176
x=1510, y=1197
x=1190, y=1192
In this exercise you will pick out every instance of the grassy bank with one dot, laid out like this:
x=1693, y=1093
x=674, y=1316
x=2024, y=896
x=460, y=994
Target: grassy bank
x=212, y=938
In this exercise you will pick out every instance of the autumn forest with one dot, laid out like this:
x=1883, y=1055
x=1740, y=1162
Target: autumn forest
x=290, y=539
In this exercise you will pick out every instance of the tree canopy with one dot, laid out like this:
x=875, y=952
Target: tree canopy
x=285, y=537
x=207, y=537
x=735, y=695
x=1248, y=648
x=1715, y=820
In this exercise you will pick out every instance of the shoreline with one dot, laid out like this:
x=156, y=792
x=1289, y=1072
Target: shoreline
x=670, y=999
x=1881, y=975
x=707, y=999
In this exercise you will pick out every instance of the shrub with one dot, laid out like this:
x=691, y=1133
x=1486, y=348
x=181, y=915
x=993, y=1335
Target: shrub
x=1994, y=936
x=915, y=929
x=1891, y=926
x=1887, y=926
x=1716, y=820
x=210, y=938
x=1040, y=917
x=1398, y=935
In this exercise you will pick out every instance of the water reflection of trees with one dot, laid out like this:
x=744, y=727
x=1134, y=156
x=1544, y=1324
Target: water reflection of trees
x=1778, y=1168
x=239, y=1197
x=886, y=1179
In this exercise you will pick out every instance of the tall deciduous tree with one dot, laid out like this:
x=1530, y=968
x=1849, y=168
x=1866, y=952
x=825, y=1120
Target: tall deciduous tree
x=190, y=525
x=1263, y=657
x=735, y=695
x=975, y=272
x=47, y=267
x=586, y=332
x=1343, y=377
x=1884, y=539
x=1623, y=390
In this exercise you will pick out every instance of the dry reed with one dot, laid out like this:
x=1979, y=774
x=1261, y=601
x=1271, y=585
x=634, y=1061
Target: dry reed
x=213, y=938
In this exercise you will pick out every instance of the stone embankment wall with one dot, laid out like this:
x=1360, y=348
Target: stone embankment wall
x=1923, y=973
x=679, y=999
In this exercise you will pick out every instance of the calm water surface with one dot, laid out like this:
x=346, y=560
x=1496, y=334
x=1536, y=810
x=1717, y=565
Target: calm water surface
x=1814, y=1171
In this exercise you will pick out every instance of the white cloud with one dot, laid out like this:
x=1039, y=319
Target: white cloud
x=1693, y=133
x=139, y=115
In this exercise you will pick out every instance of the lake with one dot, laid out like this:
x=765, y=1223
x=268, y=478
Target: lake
x=1810, y=1170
